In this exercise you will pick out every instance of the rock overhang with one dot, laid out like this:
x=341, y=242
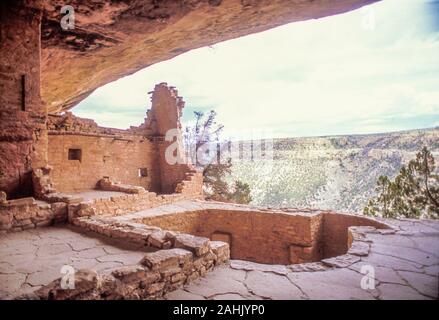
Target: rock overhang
x=112, y=39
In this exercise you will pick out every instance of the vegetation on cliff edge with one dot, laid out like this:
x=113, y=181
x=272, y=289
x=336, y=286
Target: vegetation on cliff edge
x=414, y=193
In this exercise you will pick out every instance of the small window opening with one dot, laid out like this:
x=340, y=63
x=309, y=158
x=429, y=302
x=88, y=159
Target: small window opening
x=143, y=172
x=75, y=154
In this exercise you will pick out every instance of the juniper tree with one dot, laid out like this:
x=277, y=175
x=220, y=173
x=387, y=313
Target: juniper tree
x=413, y=194
x=204, y=145
x=381, y=204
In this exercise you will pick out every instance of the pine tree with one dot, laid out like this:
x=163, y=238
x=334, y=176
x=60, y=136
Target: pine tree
x=381, y=205
x=413, y=194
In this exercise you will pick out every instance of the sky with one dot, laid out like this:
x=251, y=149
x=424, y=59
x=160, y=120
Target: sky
x=371, y=70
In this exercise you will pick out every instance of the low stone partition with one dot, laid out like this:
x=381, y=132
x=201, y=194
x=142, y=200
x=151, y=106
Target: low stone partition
x=155, y=275
x=124, y=204
x=181, y=259
x=108, y=184
x=144, y=235
x=137, y=198
x=27, y=213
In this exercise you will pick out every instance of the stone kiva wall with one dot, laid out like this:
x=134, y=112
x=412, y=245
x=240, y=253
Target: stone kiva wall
x=266, y=236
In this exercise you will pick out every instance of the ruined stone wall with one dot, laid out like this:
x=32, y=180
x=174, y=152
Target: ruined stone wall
x=180, y=258
x=163, y=123
x=26, y=213
x=129, y=203
x=155, y=275
x=136, y=156
x=23, y=137
x=165, y=113
x=118, y=158
x=170, y=174
x=263, y=237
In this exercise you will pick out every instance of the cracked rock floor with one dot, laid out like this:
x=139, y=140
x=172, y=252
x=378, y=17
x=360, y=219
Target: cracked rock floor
x=32, y=258
x=406, y=266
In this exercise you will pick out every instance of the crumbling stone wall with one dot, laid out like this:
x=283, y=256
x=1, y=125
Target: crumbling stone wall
x=155, y=275
x=118, y=156
x=26, y=213
x=163, y=118
x=180, y=258
x=122, y=155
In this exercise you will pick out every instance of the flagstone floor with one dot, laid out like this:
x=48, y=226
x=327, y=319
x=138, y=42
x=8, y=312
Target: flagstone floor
x=405, y=266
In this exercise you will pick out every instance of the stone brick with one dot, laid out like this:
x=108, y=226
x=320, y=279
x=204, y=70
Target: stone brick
x=198, y=245
x=162, y=259
x=131, y=274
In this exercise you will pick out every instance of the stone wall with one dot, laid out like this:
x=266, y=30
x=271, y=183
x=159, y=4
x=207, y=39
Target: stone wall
x=171, y=174
x=290, y=236
x=120, y=158
x=163, y=117
x=264, y=237
x=136, y=156
x=335, y=231
x=27, y=213
x=118, y=205
x=155, y=275
x=181, y=259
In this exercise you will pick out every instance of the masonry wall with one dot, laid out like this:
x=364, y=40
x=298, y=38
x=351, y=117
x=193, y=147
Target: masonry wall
x=118, y=158
x=170, y=173
x=263, y=237
x=155, y=275
x=26, y=213
x=136, y=156
x=335, y=231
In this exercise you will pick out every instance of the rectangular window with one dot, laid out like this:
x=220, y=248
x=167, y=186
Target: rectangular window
x=75, y=154
x=143, y=172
